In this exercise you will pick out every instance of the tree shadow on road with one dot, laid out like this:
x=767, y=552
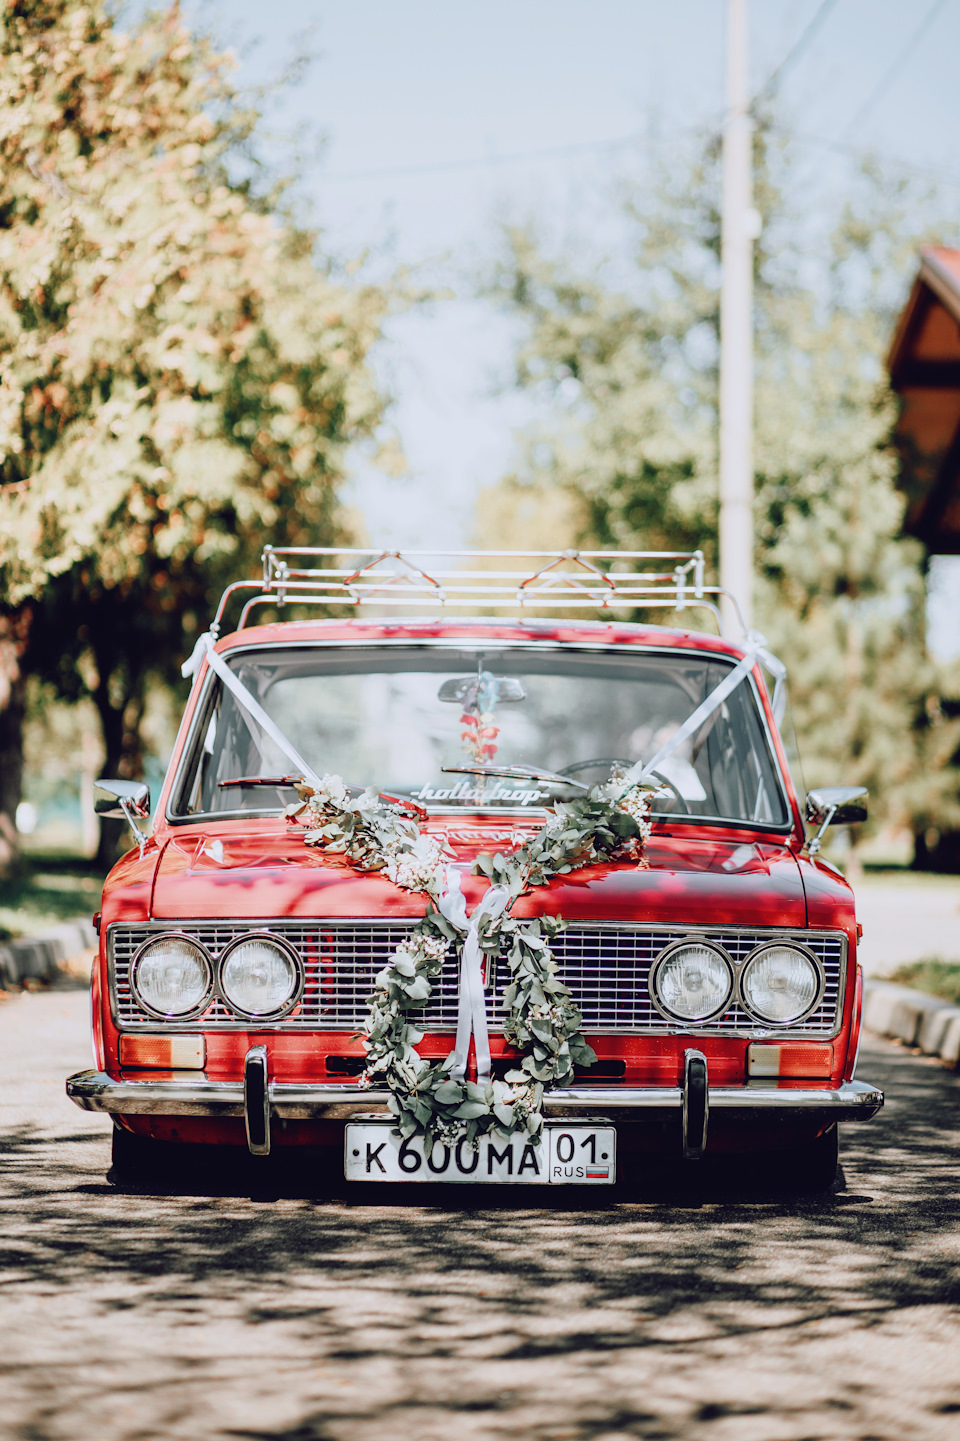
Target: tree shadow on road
x=513, y=1312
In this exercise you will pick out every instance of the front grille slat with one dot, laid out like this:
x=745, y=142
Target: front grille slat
x=607, y=969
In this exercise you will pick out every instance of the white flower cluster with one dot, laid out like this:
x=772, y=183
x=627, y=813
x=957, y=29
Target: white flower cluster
x=330, y=791
x=553, y=1014
x=450, y=1132
x=636, y=803
x=434, y=948
x=418, y=869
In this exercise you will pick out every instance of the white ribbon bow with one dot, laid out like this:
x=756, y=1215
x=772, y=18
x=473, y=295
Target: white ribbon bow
x=472, y=1006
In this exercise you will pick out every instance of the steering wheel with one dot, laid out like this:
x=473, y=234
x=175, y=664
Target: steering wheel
x=619, y=761
x=670, y=786
x=599, y=761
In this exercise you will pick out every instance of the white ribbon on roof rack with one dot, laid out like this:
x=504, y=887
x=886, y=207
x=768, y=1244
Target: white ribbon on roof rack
x=756, y=650
x=204, y=649
x=471, y=1002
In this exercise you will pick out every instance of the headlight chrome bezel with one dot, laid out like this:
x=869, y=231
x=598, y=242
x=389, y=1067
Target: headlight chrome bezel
x=775, y=945
x=173, y=1016
x=670, y=951
x=287, y=950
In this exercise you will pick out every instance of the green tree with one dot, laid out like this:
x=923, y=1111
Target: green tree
x=180, y=376
x=630, y=373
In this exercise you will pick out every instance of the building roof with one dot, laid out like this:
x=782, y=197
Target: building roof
x=924, y=365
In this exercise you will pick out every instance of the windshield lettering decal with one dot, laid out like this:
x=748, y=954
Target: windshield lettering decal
x=464, y=791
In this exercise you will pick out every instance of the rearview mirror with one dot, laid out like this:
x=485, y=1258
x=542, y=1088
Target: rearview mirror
x=119, y=800
x=834, y=806
x=458, y=688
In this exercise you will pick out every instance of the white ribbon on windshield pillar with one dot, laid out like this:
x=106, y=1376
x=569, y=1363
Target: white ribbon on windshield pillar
x=204, y=648
x=643, y=770
x=472, y=1004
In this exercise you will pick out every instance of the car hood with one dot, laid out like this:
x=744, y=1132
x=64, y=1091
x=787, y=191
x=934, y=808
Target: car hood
x=269, y=872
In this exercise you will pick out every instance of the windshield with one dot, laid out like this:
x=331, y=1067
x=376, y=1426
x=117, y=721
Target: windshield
x=420, y=723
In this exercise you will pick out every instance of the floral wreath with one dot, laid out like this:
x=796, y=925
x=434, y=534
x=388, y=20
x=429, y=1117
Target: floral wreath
x=433, y=1099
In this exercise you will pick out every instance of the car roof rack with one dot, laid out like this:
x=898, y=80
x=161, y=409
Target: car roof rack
x=536, y=580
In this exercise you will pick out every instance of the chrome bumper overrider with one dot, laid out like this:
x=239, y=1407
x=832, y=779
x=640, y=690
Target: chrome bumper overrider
x=192, y=1094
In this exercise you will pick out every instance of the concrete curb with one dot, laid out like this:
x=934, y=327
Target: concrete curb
x=40, y=956
x=930, y=1024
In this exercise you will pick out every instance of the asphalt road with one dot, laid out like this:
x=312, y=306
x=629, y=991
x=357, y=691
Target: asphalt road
x=255, y=1303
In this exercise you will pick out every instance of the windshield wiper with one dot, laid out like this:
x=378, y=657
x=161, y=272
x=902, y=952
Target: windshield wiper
x=291, y=781
x=262, y=781
x=515, y=773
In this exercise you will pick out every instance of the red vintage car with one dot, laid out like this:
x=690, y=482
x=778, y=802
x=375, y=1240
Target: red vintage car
x=713, y=961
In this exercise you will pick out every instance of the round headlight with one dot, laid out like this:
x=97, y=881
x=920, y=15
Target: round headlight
x=693, y=981
x=780, y=984
x=172, y=976
x=259, y=976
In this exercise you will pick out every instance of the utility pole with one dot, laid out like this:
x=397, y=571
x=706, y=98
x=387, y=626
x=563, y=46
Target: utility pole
x=739, y=229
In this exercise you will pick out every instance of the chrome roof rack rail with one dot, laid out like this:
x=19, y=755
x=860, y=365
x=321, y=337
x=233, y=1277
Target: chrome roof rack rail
x=606, y=580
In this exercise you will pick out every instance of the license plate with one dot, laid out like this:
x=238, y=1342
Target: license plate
x=567, y=1156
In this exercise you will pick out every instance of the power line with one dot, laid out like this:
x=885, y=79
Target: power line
x=838, y=147
x=795, y=51
x=483, y=161
x=901, y=59
x=559, y=151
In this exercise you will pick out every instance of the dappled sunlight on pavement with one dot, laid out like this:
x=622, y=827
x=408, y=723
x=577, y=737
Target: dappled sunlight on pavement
x=253, y=1301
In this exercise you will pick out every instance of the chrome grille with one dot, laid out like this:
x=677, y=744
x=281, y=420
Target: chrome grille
x=608, y=973
x=606, y=967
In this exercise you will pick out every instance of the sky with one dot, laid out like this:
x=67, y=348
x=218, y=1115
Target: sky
x=423, y=125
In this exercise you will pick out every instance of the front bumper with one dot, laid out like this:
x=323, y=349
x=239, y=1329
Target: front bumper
x=194, y=1094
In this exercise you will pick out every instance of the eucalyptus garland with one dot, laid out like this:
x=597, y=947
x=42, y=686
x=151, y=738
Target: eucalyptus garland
x=375, y=833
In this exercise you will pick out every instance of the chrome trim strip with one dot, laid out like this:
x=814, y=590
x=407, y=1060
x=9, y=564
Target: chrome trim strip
x=198, y=1096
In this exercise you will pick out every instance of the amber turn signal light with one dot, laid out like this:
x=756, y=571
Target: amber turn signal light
x=808, y=1059
x=166, y=1053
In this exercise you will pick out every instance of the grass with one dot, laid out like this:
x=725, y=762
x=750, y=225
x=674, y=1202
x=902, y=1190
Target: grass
x=937, y=978
x=49, y=890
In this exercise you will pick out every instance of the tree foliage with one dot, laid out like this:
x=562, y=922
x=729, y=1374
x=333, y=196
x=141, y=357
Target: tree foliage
x=180, y=377
x=630, y=369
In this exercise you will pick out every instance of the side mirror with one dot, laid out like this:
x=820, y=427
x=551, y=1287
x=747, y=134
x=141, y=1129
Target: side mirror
x=834, y=806
x=119, y=800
